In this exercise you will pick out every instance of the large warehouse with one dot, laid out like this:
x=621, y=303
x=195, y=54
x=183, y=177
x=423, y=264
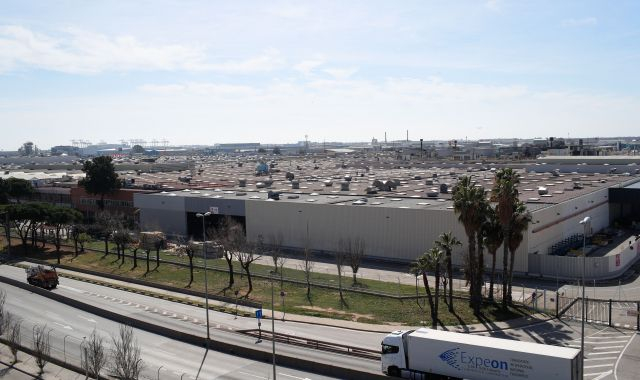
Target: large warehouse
x=398, y=224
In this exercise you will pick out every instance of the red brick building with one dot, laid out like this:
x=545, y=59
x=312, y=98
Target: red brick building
x=118, y=202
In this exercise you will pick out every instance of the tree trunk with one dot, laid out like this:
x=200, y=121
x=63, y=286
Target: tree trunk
x=147, y=251
x=75, y=247
x=493, y=273
x=505, y=264
x=190, y=270
x=157, y=257
x=355, y=278
x=122, y=253
x=425, y=280
x=229, y=261
x=246, y=269
x=135, y=258
x=58, y=243
x=472, y=272
x=436, y=302
x=510, y=281
x=480, y=273
x=106, y=245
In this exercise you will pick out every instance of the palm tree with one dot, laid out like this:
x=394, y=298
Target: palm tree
x=483, y=206
x=519, y=223
x=465, y=204
x=420, y=267
x=493, y=241
x=446, y=242
x=505, y=193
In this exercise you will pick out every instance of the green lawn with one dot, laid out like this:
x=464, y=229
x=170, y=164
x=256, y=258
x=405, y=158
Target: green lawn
x=323, y=303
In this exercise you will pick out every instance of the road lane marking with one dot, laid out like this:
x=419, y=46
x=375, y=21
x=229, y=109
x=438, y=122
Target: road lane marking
x=87, y=319
x=607, y=358
x=252, y=375
x=608, y=342
x=70, y=288
x=293, y=377
x=604, y=353
x=66, y=327
x=607, y=348
x=615, y=369
x=599, y=365
x=603, y=375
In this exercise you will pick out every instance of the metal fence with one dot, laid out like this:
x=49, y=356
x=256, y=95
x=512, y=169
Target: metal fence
x=620, y=314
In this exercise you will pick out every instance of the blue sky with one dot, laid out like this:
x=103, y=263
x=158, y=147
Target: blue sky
x=205, y=72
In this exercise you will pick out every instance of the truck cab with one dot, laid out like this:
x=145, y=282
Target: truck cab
x=393, y=355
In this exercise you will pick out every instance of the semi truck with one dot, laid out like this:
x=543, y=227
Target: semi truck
x=437, y=354
x=43, y=277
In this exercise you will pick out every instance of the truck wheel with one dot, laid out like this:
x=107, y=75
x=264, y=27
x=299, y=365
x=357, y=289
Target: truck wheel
x=394, y=371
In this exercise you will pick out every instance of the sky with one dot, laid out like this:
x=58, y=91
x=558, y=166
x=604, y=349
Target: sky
x=206, y=72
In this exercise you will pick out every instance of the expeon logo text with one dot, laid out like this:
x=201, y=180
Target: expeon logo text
x=455, y=357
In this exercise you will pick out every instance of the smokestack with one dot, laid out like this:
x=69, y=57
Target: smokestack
x=407, y=135
x=385, y=137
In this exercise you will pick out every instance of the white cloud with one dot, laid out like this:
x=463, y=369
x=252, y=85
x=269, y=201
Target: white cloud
x=493, y=5
x=341, y=73
x=307, y=67
x=577, y=22
x=79, y=51
x=349, y=110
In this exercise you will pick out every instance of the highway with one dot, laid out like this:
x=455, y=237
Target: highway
x=172, y=358
x=618, y=343
x=191, y=318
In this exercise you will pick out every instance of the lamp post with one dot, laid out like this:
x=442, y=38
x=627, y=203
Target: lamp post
x=586, y=223
x=204, y=254
x=273, y=326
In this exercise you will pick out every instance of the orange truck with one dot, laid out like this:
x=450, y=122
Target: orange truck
x=43, y=277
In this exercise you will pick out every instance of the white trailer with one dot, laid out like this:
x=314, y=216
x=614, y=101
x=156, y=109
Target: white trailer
x=450, y=355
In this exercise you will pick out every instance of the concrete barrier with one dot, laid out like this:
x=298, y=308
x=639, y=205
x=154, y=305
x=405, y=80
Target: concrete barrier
x=252, y=353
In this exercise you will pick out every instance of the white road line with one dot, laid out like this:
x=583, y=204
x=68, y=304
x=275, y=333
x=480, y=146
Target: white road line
x=70, y=288
x=603, y=375
x=615, y=369
x=604, y=353
x=252, y=375
x=293, y=377
x=608, y=342
x=607, y=358
x=607, y=348
x=599, y=365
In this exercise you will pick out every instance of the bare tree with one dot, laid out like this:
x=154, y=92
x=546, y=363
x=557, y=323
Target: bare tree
x=341, y=260
x=93, y=355
x=3, y=298
x=41, y=346
x=226, y=237
x=107, y=224
x=246, y=254
x=126, y=363
x=13, y=330
x=307, y=269
x=188, y=248
x=355, y=254
x=276, y=252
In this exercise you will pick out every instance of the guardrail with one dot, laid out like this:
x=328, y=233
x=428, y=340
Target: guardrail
x=314, y=344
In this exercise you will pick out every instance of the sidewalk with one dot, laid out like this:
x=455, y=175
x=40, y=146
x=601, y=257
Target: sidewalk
x=519, y=322
x=26, y=368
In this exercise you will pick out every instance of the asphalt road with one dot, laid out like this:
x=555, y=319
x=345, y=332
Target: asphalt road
x=610, y=353
x=171, y=358
x=192, y=318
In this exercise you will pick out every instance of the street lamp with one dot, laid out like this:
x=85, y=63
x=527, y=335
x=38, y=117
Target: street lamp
x=273, y=326
x=586, y=223
x=204, y=254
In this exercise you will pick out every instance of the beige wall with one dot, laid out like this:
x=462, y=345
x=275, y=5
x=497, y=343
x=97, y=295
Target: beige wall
x=394, y=233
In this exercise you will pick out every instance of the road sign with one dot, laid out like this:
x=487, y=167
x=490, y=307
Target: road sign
x=213, y=210
x=259, y=314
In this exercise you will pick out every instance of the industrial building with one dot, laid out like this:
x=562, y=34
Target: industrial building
x=400, y=222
